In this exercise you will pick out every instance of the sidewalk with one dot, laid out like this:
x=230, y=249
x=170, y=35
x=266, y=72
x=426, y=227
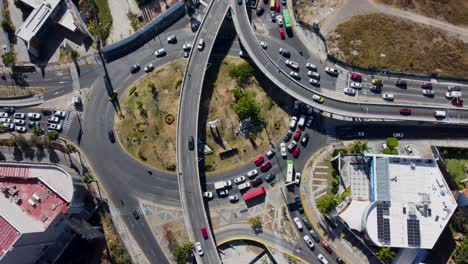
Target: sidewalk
x=29, y=101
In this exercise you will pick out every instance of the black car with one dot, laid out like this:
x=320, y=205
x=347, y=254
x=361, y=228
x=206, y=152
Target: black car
x=135, y=214
x=111, y=135
x=191, y=143
x=401, y=83
x=288, y=136
x=314, y=235
x=270, y=177
x=135, y=68
x=256, y=182
x=297, y=200
x=339, y=260
x=305, y=139
x=306, y=223
x=9, y=110
x=46, y=112
x=33, y=124
x=260, y=11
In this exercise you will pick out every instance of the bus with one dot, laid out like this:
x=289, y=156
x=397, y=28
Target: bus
x=254, y=193
x=289, y=171
x=272, y=4
x=286, y=19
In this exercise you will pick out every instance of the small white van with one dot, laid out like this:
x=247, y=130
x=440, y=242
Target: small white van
x=439, y=114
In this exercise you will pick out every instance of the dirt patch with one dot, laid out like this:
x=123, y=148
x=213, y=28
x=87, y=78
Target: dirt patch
x=220, y=106
x=452, y=11
x=142, y=128
x=386, y=42
x=20, y=91
x=310, y=11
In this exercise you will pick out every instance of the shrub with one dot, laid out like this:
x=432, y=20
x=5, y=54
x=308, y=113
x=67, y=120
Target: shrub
x=339, y=151
x=270, y=103
x=242, y=73
x=170, y=166
x=237, y=93
x=392, y=142
x=247, y=107
x=387, y=151
x=9, y=58
x=326, y=204
x=132, y=90
x=335, y=185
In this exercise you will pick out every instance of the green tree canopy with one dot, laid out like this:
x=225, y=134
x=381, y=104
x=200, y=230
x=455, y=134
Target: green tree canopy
x=386, y=254
x=182, y=252
x=358, y=147
x=247, y=107
x=87, y=178
x=8, y=58
x=53, y=135
x=242, y=73
x=326, y=204
x=461, y=254
x=392, y=142
x=69, y=148
x=255, y=222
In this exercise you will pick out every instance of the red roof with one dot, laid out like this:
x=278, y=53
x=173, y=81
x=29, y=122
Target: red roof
x=14, y=171
x=8, y=236
x=254, y=193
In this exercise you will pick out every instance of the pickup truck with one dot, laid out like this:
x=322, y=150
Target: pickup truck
x=454, y=94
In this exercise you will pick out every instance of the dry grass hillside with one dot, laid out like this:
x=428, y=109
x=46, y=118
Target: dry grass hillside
x=310, y=11
x=452, y=11
x=386, y=42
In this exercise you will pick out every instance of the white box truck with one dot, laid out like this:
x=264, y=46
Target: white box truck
x=301, y=122
x=219, y=185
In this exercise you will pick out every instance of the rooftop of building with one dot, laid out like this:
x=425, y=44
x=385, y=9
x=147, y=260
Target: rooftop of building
x=34, y=22
x=408, y=202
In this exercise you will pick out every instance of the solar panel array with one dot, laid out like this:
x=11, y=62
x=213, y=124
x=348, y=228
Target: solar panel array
x=383, y=224
x=414, y=232
x=382, y=179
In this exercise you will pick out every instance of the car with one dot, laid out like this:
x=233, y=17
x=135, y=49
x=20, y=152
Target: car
x=288, y=136
x=297, y=201
x=331, y=71
x=314, y=235
x=135, y=214
x=251, y=174
x=359, y=134
x=295, y=75
x=428, y=92
x=256, y=182
x=186, y=54
x=388, y=96
x=187, y=46
x=208, y=195
x=283, y=148
x=263, y=44
x=270, y=153
x=243, y=54
x=339, y=260
x=284, y=52
x=356, y=77
x=292, y=64
x=234, y=198
x=56, y=127
x=19, y=116
x=457, y=102
x=305, y=139
x=377, y=82
x=297, y=105
x=281, y=31
x=327, y=247
x=223, y=193
x=3, y=114
x=297, y=135
x=34, y=116
x=398, y=134
x=265, y=167
x=160, y=52
x=322, y=259
x=309, y=110
x=201, y=44
x=8, y=126
x=298, y=223
x=279, y=19
x=277, y=7
x=292, y=146
x=296, y=152
x=405, y=111
x=311, y=66
x=273, y=16
x=204, y=232
x=314, y=82
x=259, y=161
x=239, y=180
x=244, y=186
x=401, y=83
x=426, y=85
x=314, y=75
x=135, y=68
x=260, y=11
x=228, y=184
x=9, y=110
x=19, y=121
x=33, y=124
x=356, y=85
x=349, y=91
x=46, y=112
x=21, y=129
x=293, y=123
x=306, y=222
x=408, y=149
x=270, y=177
x=317, y=98
x=111, y=135
x=149, y=67
x=297, y=178
x=198, y=246
x=453, y=88
x=191, y=143
x=309, y=242
x=5, y=120
x=53, y=119
x=60, y=114
x=239, y=2
x=172, y=39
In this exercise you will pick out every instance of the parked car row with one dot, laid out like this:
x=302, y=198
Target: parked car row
x=12, y=120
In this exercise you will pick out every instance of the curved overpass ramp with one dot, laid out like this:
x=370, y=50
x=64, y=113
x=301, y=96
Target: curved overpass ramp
x=346, y=107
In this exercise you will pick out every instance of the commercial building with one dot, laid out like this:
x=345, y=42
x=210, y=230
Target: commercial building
x=396, y=201
x=35, y=203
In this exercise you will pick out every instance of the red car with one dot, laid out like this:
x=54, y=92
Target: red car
x=259, y=161
x=327, y=247
x=356, y=77
x=457, y=102
x=297, y=135
x=296, y=152
x=204, y=232
x=266, y=167
x=277, y=5
x=405, y=111
x=281, y=30
x=426, y=85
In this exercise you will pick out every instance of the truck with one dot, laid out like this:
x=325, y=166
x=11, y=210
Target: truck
x=244, y=186
x=301, y=122
x=219, y=185
x=453, y=94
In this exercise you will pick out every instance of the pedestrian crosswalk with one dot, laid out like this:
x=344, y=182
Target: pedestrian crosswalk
x=261, y=25
x=331, y=135
x=75, y=78
x=127, y=211
x=341, y=82
x=68, y=121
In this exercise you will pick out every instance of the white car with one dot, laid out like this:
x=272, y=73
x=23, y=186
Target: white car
x=309, y=242
x=199, y=248
x=297, y=178
x=201, y=44
x=149, y=67
x=8, y=126
x=3, y=114
x=239, y=180
x=283, y=149
x=171, y=39
x=292, y=64
x=228, y=183
x=234, y=198
x=314, y=75
x=208, y=195
x=311, y=66
x=294, y=75
x=356, y=85
x=160, y=52
x=331, y=70
x=284, y=52
x=398, y=134
x=60, y=114
x=53, y=119
x=263, y=44
x=314, y=82
x=349, y=91
x=19, y=122
x=223, y=193
x=56, y=127
x=252, y=173
x=309, y=122
x=408, y=149
x=322, y=259
x=21, y=129
x=243, y=54
x=387, y=96
x=19, y=116
x=317, y=98
x=187, y=46
x=428, y=92
x=244, y=186
x=34, y=116
x=292, y=123
x=5, y=120
x=298, y=223
x=280, y=20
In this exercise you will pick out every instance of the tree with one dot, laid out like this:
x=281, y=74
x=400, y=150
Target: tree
x=52, y=135
x=37, y=131
x=326, y=204
x=87, y=178
x=247, y=107
x=358, y=147
x=386, y=254
x=69, y=148
x=255, y=223
x=8, y=58
x=22, y=142
x=183, y=251
x=242, y=73
x=237, y=92
x=461, y=254
x=458, y=221
x=11, y=142
x=392, y=142
x=33, y=140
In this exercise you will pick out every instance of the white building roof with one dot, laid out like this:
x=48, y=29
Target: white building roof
x=36, y=19
x=354, y=214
